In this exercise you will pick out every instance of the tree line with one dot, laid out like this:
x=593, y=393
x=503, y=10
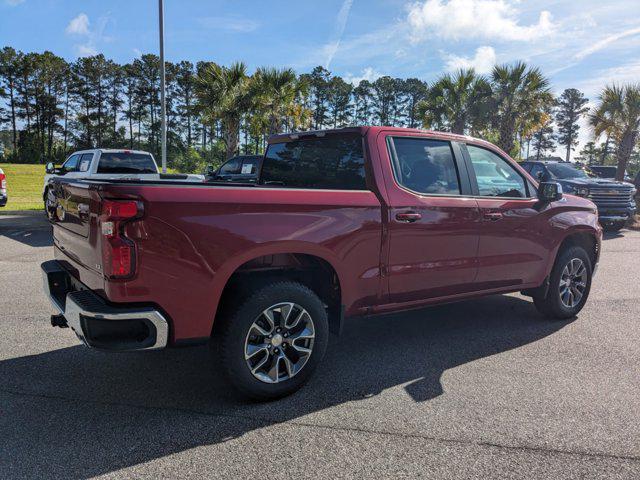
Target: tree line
x=49, y=107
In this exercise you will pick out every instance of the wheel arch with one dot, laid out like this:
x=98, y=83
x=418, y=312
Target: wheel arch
x=314, y=267
x=586, y=238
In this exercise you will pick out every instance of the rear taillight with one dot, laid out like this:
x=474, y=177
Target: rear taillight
x=118, y=252
x=3, y=181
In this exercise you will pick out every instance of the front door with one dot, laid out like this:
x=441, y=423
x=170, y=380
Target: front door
x=512, y=249
x=433, y=224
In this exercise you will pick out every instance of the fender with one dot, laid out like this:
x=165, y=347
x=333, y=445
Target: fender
x=227, y=269
x=570, y=222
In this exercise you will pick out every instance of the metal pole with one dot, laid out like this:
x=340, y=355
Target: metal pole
x=163, y=107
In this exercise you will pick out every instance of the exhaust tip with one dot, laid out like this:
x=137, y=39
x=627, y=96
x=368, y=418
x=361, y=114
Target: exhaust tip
x=58, y=321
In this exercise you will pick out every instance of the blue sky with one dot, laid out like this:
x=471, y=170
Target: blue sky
x=579, y=43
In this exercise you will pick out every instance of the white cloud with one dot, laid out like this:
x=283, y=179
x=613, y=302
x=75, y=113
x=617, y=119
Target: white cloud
x=483, y=61
x=13, y=3
x=367, y=73
x=619, y=75
x=78, y=25
x=605, y=42
x=86, y=50
x=230, y=23
x=341, y=22
x=461, y=19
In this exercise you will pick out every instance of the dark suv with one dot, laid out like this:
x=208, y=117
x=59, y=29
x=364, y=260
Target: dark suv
x=615, y=202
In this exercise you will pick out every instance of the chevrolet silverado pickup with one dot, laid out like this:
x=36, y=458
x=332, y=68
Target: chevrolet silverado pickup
x=615, y=200
x=340, y=223
x=99, y=163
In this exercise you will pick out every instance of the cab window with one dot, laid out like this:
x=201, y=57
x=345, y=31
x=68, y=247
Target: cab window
x=495, y=176
x=231, y=167
x=425, y=166
x=249, y=166
x=85, y=162
x=537, y=171
x=71, y=165
x=334, y=162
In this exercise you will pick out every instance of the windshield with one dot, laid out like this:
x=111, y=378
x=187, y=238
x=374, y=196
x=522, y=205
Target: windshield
x=126, y=162
x=562, y=171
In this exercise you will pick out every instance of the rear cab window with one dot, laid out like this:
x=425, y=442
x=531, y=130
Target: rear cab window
x=424, y=165
x=335, y=162
x=126, y=162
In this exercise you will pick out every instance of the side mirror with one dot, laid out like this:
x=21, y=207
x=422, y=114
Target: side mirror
x=549, y=192
x=211, y=171
x=50, y=168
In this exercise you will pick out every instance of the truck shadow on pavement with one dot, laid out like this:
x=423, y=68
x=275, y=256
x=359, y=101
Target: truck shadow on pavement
x=30, y=228
x=78, y=413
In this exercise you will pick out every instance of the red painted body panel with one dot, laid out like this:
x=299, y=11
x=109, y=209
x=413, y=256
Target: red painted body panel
x=192, y=238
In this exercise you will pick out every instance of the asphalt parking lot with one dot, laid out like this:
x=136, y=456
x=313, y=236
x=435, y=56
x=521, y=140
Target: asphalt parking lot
x=482, y=389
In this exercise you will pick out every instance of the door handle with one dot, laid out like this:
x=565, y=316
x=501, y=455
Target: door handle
x=493, y=216
x=408, y=217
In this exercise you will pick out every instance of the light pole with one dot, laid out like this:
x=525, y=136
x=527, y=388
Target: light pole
x=163, y=108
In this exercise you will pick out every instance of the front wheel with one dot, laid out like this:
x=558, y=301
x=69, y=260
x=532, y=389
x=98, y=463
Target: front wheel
x=569, y=285
x=271, y=342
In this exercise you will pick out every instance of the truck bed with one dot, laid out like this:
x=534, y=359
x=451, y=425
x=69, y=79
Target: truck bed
x=192, y=237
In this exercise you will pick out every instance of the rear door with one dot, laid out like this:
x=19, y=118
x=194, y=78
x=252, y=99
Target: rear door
x=433, y=222
x=512, y=247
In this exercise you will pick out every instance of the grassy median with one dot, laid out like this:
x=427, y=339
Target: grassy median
x=24, y=186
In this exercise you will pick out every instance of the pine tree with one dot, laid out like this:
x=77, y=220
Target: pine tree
x=572, y=106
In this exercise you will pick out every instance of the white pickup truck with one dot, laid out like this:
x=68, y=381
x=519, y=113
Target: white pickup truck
x=103, y=163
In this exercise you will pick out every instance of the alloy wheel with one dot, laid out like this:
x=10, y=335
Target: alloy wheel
x=279, y=342
x=573, y=283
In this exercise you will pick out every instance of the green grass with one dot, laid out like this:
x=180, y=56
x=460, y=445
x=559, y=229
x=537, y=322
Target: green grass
x=24, y=186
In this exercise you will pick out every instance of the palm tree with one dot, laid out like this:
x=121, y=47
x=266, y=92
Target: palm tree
x=275, y=91
x=618, y=115
x=223, y=96
x=455, y=101
x=520, y=93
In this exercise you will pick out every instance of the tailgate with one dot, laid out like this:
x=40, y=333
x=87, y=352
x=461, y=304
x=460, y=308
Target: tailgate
x=71, y=208
x=74, y=215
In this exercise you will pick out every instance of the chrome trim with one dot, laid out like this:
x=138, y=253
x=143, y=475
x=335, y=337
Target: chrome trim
x=614, y=218
x=72, y=312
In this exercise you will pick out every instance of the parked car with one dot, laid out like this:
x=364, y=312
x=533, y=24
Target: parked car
x=3, y=189
x=100, y=163
x=243, y=168
x=614, y=199
x=608, y=171
x=341, y=223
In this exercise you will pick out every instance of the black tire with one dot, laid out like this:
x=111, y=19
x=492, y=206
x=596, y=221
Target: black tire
x=551, y=305
x=44, y=201
x=230, y=334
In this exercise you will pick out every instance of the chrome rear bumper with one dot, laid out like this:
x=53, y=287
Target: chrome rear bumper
x=98, y=324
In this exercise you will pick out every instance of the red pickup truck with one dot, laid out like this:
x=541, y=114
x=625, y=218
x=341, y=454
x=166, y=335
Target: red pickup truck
x=340, y=223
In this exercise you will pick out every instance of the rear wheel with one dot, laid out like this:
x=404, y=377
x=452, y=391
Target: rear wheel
x=569, y=285
x=270, y=343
